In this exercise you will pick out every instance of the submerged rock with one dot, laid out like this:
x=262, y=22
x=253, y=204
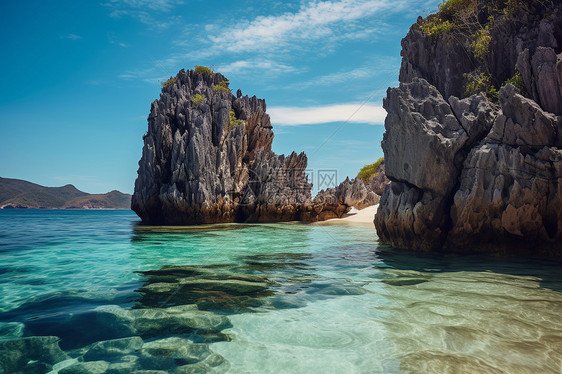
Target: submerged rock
x=179, y=355
x=178, y=320
x=209, y=289
x=33, y=354
x=113, y=348
x=91, y=367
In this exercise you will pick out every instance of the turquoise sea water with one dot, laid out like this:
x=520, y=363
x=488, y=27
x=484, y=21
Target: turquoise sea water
x=271, y=298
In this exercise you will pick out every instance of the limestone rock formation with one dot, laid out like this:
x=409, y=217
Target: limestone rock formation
x=379, y=181
x=207, y=158
x=468, y=174
x=336, y=202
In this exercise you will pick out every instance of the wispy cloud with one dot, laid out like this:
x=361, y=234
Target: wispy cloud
x=355, y=113
x=146, y=11
x=330, y=21
x=158, y=5
x=250, y=66
x=389, y=67
x=71, y=37
x=151, y=75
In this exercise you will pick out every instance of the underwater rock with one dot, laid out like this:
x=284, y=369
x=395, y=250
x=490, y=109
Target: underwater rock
x=210, y=289
x=90, y=367
x=181, y=351
x=335, y=289
x=180, y=354
x=199, y=368
x=11, y=330
x=125, y=365
x=30, y=354
x=182, y=319
x=111, y=348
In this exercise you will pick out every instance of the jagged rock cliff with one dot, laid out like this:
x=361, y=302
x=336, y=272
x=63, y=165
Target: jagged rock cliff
x=207, y=158
x=477, y=173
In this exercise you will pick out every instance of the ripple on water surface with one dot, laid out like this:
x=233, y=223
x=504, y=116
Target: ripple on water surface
x=283, y=298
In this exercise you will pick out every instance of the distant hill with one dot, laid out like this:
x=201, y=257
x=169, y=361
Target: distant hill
x=17, y=193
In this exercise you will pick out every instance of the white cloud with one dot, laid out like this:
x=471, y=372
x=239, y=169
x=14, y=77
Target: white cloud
x=145, y=11
x=72, y=36
x=330, y=21
x=158, y=5
x=242, y=66
x=296, y=116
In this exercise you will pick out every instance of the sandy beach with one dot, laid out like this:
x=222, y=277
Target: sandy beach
x=357, y=217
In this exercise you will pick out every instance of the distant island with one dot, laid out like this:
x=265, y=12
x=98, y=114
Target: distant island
x=17, y=193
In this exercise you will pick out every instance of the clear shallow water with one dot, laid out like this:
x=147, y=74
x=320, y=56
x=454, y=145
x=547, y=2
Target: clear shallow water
x=317, y=299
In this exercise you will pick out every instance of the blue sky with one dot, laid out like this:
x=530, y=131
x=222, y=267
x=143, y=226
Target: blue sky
x=78, y=77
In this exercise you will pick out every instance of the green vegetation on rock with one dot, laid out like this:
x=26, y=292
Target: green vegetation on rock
x=367, y=172
x=222, y=87
x=476, y=83
x=169, y=82
x=203, y=70
x=517, y=81
x=234, y=122
x=461, y=21
x=480, y=47
x=197, y=99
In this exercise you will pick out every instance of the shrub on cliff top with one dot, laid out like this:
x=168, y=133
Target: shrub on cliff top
x=450, y=8
x=169, y=82
x=437, y=27
x=197, y=99
x=203, y=70
x=369, y=171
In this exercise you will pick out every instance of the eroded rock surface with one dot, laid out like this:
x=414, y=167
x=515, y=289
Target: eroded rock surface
x=207, y=158
x=468, y=174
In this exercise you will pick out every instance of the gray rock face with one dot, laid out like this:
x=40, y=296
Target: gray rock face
x=336, y=202
x=422, y=134
x=542, y=74
x=378, y=182
x=425, y=143
x=434, y=60
x=467, y=175
x=442, y=60
x=201, y=165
